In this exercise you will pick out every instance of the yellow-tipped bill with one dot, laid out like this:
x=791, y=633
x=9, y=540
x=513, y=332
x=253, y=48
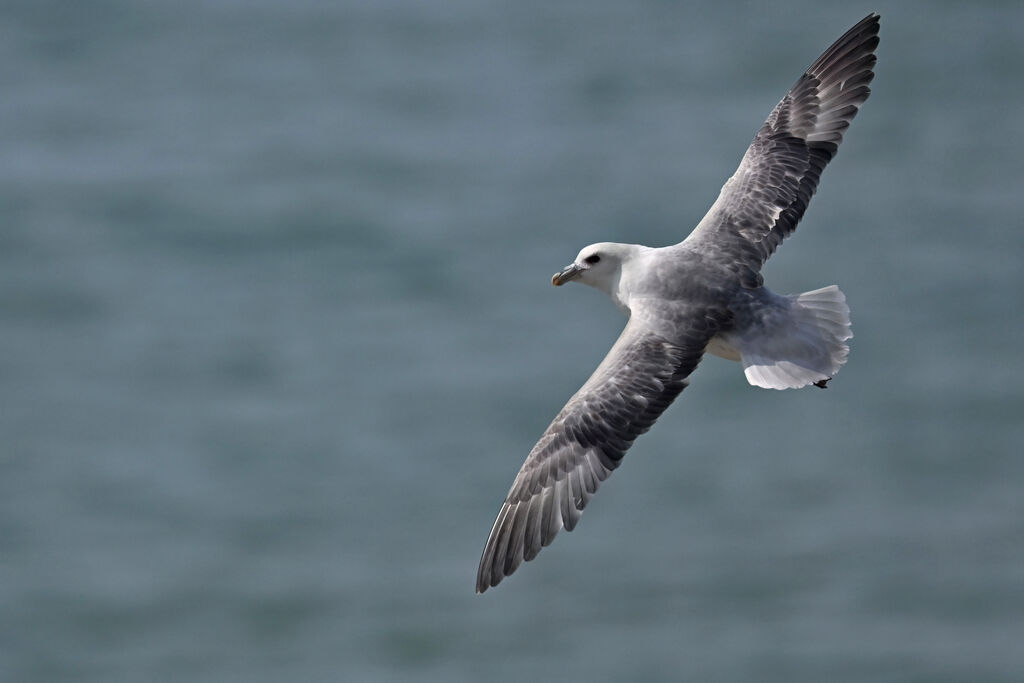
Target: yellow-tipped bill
x=570, y=272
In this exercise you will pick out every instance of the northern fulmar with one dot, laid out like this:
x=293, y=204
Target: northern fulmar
x=705, y=294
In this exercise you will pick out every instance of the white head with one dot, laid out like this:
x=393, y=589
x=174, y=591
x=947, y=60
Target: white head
x=598, y=265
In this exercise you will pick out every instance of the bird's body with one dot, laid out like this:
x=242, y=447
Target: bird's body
x=704, y=294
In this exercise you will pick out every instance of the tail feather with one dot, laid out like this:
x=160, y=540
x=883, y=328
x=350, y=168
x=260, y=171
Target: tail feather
x=802, y=341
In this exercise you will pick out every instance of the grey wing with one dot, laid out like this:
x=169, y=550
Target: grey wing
x=635, y=383
x=764, y=200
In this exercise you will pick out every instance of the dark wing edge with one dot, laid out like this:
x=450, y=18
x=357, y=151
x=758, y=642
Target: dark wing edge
x=638, y=379
x=761, y=204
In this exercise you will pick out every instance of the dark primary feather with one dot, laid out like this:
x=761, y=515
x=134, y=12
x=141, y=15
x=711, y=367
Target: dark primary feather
x=764, y=200
x=636, y=382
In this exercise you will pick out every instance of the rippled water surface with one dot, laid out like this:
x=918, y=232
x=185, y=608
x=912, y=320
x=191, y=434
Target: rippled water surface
x=276, y=332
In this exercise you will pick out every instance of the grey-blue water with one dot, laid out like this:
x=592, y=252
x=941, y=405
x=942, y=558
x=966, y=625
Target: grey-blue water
x=277, y=330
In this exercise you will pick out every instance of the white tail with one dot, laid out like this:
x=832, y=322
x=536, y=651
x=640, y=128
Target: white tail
x=802, y=341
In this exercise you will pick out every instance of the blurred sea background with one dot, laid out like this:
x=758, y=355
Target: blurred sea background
x=277, y=331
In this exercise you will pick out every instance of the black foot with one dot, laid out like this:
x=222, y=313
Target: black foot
x=822, y=383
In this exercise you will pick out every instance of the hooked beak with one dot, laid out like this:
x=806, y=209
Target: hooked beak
x=570, y=272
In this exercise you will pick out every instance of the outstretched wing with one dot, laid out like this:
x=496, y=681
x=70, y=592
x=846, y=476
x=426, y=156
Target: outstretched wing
x=764, y=200
x=634, y=384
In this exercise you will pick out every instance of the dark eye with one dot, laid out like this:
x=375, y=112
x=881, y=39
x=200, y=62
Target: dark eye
x=592, y=259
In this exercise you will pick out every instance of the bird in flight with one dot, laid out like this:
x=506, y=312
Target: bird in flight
x=705, y=294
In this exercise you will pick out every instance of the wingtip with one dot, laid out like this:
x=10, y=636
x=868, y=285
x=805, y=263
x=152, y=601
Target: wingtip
x=485, y=579
x=871, y=18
